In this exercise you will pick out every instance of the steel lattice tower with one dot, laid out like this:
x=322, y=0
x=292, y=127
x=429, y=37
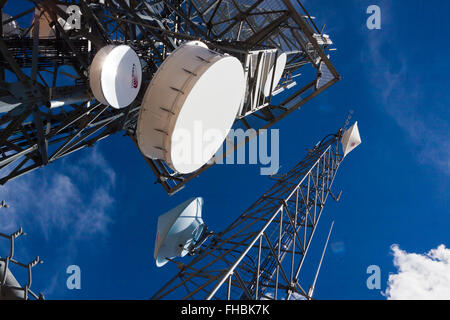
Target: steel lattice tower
x=10, y=289
x=261, y=254
x=47, y=110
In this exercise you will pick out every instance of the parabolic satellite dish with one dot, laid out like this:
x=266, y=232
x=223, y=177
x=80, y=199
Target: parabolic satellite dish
x=177, y=229
x=272, y=78
x=351, y=139
x=115, y=76
x=190, y=106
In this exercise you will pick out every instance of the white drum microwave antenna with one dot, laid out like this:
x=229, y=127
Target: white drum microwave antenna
x=115, y=76
x=190, y=106
x=180, y=231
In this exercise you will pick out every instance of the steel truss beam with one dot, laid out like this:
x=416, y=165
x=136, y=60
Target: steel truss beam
x=47, y=110
x=262, y=253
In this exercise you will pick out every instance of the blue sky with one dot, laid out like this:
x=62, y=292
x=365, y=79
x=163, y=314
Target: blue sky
x=98, y=208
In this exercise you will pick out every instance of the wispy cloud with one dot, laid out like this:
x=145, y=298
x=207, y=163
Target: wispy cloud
x=390, y=72
x=75, y=197
x=420, y=276
x=70, y=201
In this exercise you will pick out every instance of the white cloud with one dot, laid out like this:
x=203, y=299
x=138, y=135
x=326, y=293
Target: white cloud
x=420, y=276
x=60, y=206
x=72, y=197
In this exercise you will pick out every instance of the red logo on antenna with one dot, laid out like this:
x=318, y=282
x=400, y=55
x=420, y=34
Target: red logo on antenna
x=134, y=78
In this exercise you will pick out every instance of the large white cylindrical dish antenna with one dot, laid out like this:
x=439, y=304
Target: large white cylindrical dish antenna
x=115, y=76
x=177, y=229
x=190, y=107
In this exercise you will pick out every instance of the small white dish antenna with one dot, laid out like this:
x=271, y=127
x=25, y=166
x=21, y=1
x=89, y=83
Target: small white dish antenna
x=179, y=230
x=115, y=76
x=190, y=106
x=278, y=68
x=351, y=139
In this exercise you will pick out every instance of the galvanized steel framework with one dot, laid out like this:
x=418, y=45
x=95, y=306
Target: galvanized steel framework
x=47, y=110
x=10, y=289
x=261, y=254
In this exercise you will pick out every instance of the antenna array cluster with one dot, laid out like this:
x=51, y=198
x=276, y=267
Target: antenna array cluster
x=64, y=88
x=73, y=73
